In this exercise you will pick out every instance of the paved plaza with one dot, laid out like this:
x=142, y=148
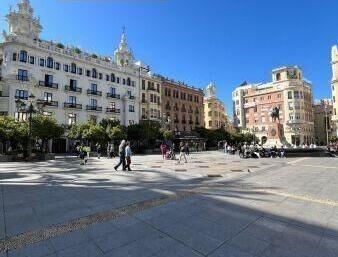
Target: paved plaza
x=215, y=206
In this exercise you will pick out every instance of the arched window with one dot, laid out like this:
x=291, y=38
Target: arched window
x=94, y=73
x=112, y=77
x=278, y=77
x=23, y=56
x=73, y=68
x=50, y=62
x=128, y=82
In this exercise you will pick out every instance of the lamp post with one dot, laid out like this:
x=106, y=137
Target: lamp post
x=22, y=107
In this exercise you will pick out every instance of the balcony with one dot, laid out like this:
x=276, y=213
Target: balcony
x=111, y=95
x=48, y=84
x=197, y=123
x=94, y=92
x=22, y=78
x=48, y=103
x=153, y=89
x=131, y=97
x=73, y=89
x=94, y=108
x=72, y=106
x=191, y=122
x=112, y=110
x=21, y=97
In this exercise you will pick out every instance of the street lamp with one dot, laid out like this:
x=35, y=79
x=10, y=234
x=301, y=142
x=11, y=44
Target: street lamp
x=22, y=107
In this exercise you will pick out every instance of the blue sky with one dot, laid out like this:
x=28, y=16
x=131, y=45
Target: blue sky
x=196, y=41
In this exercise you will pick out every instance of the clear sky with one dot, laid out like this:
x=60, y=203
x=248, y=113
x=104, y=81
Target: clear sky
x=196, y=41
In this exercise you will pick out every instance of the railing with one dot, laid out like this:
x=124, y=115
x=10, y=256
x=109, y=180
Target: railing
x=94, y=92
x=112, y=110
x=191, y=122
x=131, y=110
x=93, y=108
x=111, y=95
x=22, y=78
x=48, y=103
x=21, y=97
x=48, y=84
x=73, y=89
x=131, y=97
x=72, y=106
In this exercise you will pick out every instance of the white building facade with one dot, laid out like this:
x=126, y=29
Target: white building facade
x=334, y=88
x=73, y=85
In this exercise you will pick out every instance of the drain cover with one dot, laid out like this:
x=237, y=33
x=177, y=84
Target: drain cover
x=180, y=170
x=237, y=170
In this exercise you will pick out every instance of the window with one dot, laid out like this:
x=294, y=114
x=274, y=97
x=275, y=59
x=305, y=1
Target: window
x=14, y=56
x=107, y=77
x=48, y=79
x=112, y=77
x=296, y=94
x=128, y=82
x=50, y=62
x=72, y=99
x=93, y=102
x=21, y=94
x=131, y=108
x=88, y=73
x=31, y=59
x=113, y=90
x=80, y=71
x=73, y=68
x=93, y=87
x=118, y=80
x=210, y=123
x=278, y=76
x=269, y=97
x=255, y=109
x=112, y=105
x=123, y=81
x=22, y=75
x=42, y=62
x=334, y=111
x=66, y=67
x=94, y=73
x=279, y=95
x=23, y=56
x=144, y=86
x=48, y=97
x=289, y=94
x=210, y=113
x=57, y=66
x=71, y=118
x=143, y=97
x=129, y=93
x=72, y=84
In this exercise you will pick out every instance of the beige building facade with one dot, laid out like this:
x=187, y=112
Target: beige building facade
x=324, y=127
x=182, y=105
x=334, y=87
x=150, y=95
x=215, y=116
x=289, y=95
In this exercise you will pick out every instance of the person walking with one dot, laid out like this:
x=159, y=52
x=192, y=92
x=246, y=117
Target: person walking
x=98, y=150
x=128, y=156
x=182, y=153
x=163, y=150
x=122, y=153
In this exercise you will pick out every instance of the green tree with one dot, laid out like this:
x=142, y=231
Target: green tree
x=13, y=131
x=94, y=133
x=46, y=128
x=116, y=132
x=168, y=135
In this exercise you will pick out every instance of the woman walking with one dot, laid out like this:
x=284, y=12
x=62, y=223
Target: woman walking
x=122, y=153
x=182, y=153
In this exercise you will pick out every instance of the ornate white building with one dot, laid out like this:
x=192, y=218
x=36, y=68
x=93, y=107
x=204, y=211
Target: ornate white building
x=74, y=86
x=334, y=87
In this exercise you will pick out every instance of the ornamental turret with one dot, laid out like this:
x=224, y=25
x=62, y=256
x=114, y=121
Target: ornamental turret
x=22, y=23
x=123, y=55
